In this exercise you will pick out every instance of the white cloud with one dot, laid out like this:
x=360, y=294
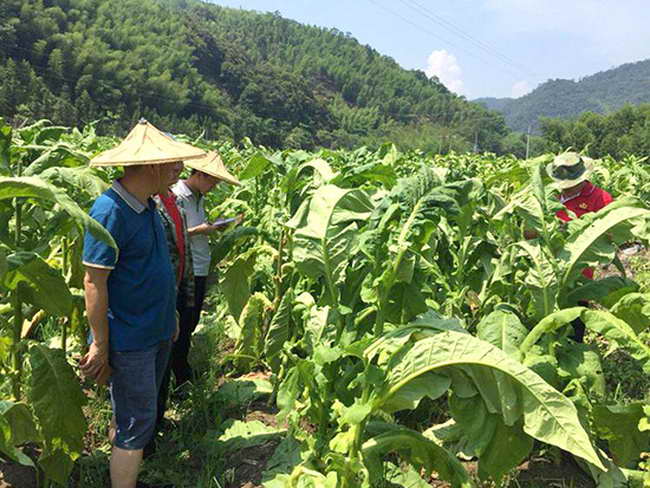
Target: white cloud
x=445, y=66
x=520, y=89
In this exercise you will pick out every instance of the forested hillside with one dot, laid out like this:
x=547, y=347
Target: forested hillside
x=191, y=66
x=601, y=93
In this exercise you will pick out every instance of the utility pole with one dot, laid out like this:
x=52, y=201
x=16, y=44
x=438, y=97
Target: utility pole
x=476, y=141
x=528, y=142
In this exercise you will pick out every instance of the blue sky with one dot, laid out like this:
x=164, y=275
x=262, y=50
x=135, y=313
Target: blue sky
x=485, y=47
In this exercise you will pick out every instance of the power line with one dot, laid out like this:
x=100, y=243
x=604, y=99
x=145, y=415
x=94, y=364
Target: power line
x=418, y=7
x=437, y=36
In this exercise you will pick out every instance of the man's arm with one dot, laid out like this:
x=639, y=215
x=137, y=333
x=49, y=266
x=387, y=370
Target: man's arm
x=201, y=229
x=95, y=363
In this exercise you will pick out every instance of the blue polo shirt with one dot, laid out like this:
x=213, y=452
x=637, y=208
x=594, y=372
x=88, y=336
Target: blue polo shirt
x=141, y=293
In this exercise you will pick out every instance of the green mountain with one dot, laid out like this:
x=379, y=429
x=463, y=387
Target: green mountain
x=191, y=66
x=601, y=93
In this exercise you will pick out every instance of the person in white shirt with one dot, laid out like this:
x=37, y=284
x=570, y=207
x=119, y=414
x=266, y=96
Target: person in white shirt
x=206, y=174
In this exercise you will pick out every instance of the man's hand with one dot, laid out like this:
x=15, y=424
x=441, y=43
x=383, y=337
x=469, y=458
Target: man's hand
x=95, y=363
x=530, y=234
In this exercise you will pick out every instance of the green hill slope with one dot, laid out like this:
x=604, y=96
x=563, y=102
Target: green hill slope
x=191, y=66
x=601, y=93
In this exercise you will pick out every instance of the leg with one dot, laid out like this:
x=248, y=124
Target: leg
x=125, y=465
x=133, y=390
x=189, y=318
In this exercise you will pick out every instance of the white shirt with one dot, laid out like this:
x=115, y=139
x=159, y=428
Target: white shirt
x=195, y=213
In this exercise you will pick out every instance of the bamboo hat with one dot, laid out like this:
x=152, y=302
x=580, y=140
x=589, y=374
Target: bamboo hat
x=569, y=169
x=213, y=165
x=146, y=145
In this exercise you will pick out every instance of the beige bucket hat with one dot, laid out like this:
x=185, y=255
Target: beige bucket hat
x=146, y=145
x=569, y=169
x=213, y=165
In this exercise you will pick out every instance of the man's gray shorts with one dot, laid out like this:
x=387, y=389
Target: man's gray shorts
x=134, y=386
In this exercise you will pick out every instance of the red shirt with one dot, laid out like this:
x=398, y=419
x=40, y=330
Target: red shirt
x=172, y=209
x=590, y=199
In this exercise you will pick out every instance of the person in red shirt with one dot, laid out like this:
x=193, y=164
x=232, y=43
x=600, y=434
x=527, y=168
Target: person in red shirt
x=570, y=174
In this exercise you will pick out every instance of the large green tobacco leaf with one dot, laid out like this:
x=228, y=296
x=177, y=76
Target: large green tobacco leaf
x=57, y=465
x=240, y=435
x=504, y=330
x=325, y=229
x=619, y=334
x=418, y=451
x=593, y=236
x=289, y=454
x=607, y=291
x=235, y=284
x=541, y=277
x=16, y=428
x=250, y=342
x=515, y=392
x=33, y=187
x=61, y=155
x=484, y=435
x=619, y=425
x=549, y=324
x=634, y=309
x=56, y=398
x=257, y=165
x=40, y=284
x=84, y=179
x=280, y=327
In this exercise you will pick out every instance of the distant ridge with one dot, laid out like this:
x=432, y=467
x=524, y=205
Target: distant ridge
x=602, y=93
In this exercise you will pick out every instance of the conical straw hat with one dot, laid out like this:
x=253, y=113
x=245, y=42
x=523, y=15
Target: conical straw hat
x=213, y=165
x=146, y=145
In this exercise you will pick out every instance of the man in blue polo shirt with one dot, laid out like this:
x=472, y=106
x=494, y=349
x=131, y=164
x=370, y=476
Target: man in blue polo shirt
x=130, y=292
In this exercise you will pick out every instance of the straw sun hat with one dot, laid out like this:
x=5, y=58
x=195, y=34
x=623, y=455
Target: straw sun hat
x=213, y=165
x=569, y=169
x=146, y=145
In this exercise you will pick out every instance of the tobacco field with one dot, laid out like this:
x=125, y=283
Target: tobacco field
x=382, y=309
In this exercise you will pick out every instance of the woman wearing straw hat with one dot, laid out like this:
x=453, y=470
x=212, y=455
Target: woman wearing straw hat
x=207, y=172
x=130, y=292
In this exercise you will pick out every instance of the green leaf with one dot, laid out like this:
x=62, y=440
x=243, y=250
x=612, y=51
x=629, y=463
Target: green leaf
x=235, y=284
x=405, y=302
x=40, y=284
x=289, y=454
x=57, y=398
x=239, y=435
x=242, y=391
x=57, y=465
x=504, y=330
x=634, y=309
x=324, y=234
x=280, y=327
x=618, y=424
x=33, y=187
x=16, y=428
x=581, y=362
x=417, y=450
x=547, y=415
x=594, y=235
x=602, y=291
x=256, y=166
x=549, y=324
x=619, y=334
x=250, y=343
